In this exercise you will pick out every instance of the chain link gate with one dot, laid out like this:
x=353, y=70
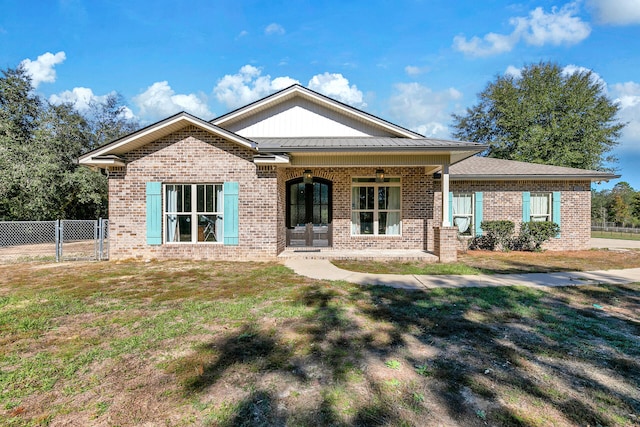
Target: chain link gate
x=66, y=239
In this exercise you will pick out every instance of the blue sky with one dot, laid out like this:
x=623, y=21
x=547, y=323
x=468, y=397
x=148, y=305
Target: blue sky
x=411, y=62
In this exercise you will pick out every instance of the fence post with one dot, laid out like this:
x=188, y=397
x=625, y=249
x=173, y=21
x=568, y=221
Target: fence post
x=57, y=239
x=96, y=238
x=61, y=240
x=100, y=238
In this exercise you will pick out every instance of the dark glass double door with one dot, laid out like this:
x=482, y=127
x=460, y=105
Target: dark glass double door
x=309, y=213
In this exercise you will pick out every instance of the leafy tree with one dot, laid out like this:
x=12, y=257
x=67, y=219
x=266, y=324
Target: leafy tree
x=39, y=145
x=544, y=116
x=635, y=205
x=619, y=210
x=108, y=120
x=599, y=204
x=19, y=108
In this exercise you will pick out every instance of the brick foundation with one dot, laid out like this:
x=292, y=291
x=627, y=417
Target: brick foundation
x=446, y=243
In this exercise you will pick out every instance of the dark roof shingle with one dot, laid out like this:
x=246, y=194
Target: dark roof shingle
x=478, y=167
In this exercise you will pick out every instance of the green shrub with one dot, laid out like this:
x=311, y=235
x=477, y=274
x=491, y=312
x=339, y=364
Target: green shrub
x=533, y=235
x=483, y=242
x=498, y=233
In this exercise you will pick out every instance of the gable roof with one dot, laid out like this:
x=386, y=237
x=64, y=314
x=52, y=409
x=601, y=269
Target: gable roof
x=107, y=155
x=297, y=90
x=488, y=168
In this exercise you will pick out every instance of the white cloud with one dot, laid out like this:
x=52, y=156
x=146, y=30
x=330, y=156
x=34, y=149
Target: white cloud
x=242, y=33
x=413, y=70
x=83, y=97
x=514, y=71
x=616, y=12
x=490, y=44
x=160, y=101
x=274, y=28
x=336, y=86
x=595, y=77
x=41, y=70
x=421, y=109
x=80, y=97
x=248, y=85
x=561, y=26
x=556, y=28
x=627, y=95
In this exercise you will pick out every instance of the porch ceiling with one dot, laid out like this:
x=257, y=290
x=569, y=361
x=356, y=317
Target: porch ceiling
x=377, y=159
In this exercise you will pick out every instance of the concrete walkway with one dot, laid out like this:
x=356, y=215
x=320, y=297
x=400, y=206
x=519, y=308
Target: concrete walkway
x=615, y=243
x=323, y=269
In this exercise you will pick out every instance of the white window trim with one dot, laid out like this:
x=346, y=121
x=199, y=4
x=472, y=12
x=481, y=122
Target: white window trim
x=471, y=230
x=549, y=196
x=375, y=210
x=194, y=214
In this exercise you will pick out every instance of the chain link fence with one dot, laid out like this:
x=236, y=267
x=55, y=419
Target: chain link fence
x=62, y=240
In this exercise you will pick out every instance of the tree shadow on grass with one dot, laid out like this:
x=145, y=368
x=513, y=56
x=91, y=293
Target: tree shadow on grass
x=249, y=347
x=256, y=410
x=489, y=341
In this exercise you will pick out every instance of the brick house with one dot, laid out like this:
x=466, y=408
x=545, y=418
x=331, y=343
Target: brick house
x=298, y=169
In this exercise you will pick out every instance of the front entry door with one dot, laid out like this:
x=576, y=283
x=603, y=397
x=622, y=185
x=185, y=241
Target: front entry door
x=309, y=213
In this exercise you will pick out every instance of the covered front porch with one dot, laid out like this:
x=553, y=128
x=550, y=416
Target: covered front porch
x=364, y=212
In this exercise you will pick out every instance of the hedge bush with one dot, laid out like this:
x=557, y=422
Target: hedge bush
x=533, y=235
x=499, y=235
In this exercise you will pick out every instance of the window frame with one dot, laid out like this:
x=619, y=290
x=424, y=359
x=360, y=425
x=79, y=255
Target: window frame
x=472, y=216
x=391, y=181
x=549, y=196
x=195, y=213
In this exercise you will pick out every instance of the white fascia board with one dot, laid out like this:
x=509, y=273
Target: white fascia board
x=102, y=163
x=109, y=148
x=277, y=159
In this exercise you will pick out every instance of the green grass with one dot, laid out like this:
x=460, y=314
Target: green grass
x=614, y=235
x=253, y=344
x=486, y=262
x=419, y=268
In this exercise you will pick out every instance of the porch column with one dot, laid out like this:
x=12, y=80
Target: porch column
x=445, y=195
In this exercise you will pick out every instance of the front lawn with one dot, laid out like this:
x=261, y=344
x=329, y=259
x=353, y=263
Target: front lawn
x=488, y=262
x=615, y=235
x=242, y=344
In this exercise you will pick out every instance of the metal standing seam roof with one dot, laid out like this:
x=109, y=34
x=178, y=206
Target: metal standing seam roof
x=360, y=144
x=478, y=167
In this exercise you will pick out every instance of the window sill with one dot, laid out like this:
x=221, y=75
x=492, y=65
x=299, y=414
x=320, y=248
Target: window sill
x=191, y=243
x=383, y=236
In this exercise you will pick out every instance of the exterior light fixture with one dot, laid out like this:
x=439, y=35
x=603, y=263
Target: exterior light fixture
x=379, y=175
x=307, y=176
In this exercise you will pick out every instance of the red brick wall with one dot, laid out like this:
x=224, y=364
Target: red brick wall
x=193, y=156
x=502, y=200
x=417, y=206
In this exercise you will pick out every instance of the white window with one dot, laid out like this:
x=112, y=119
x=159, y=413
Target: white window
x=540, y=207
x=375, y=207
x=193, y=213
x=462, y=212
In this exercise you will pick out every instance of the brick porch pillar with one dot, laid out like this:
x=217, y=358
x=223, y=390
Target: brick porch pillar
x=446, y=243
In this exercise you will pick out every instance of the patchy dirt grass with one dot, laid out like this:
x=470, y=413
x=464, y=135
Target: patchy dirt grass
x=239, y=344
x=488, y=262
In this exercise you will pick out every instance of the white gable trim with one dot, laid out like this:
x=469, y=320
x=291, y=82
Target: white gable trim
x=297, y=90
x=156, y=131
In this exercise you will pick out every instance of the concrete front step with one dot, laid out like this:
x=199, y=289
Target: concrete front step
x=363, y=254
